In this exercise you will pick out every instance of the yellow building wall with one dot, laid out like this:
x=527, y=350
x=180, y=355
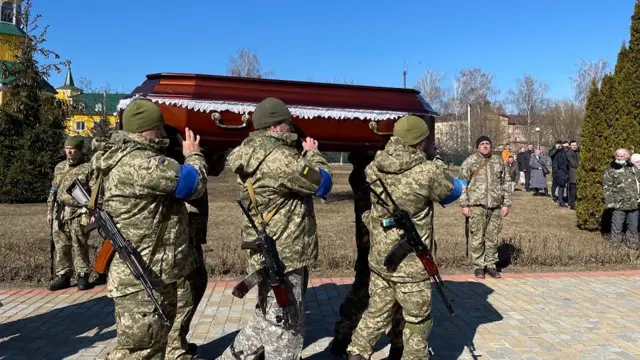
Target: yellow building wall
x=70, y=128
x=6, y=52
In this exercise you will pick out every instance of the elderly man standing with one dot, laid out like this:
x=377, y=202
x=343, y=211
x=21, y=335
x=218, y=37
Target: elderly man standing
x=278, y=185
x=485, y=202
x=145, y=192
x=621, y=195
x=66, y=218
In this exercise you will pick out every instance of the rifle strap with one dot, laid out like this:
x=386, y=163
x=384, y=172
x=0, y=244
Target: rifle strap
x=484, y=163
x=163, y=228
x=254, y=202
x=94, y=193
x=57, y=185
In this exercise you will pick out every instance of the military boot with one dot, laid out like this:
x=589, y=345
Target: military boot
x=83, y=281
x=356, y=357
x=60, y=282
x=395, y=353
x=100, y=280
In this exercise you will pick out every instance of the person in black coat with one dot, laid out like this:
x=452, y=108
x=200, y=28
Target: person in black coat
x=526, y=158
x=573, y=162
x=554, y=167
x=562, y=171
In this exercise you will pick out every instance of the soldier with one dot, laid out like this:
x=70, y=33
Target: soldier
x=192, y=288
x=279, y=183
x=145, y=193
x=67, y=218
x=487, y=192
x=415, y=183
x=357, y=299
x=621, y=195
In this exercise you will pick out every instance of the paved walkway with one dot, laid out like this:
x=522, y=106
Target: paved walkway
x=534, y=316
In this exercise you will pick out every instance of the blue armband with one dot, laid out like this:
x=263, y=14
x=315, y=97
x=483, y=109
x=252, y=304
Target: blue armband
x=187, y=182
x=456, y=192
x=54, y=188
x=325, y=185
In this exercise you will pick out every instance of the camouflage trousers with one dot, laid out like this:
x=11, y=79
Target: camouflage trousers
x=484, y=229
x=263, y=334
x=190, y=291
x=72, y=250
x=355, y=304
x=413, y=299
x=141, y=334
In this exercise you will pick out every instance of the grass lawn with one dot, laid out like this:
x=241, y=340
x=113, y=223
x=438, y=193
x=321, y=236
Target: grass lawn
x=537, y=235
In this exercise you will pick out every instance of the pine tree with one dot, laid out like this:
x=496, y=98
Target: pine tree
x=33, y=123
x=594, y=138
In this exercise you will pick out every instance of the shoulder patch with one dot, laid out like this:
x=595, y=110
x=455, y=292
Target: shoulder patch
x=163, y=161
x=168, y=163
x=310, y=174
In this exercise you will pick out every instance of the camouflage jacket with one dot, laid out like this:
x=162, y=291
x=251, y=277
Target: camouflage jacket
x=490, y=184
x=415, y=183
x=284, y=184
x=620, y=187
x=63, y=175
x=142, y=189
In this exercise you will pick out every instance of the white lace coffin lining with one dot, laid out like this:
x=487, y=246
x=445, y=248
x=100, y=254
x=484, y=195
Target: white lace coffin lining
x=303, y=112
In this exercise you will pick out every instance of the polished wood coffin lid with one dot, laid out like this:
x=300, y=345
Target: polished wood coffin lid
x=341, y=117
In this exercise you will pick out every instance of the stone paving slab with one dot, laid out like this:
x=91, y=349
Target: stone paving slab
x=521, y=316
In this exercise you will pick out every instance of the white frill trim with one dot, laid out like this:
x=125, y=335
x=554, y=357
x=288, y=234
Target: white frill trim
x=303, y=112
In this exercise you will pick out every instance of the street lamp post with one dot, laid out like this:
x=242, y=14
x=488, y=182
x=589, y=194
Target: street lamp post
x=538, y=135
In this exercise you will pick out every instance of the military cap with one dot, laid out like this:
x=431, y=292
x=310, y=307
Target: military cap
x=269, y=112
x=76, y=142
x=141, y=115
x=411, y=129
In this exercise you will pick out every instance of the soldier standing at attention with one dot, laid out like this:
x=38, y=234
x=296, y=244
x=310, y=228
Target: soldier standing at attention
x=280, y=183
x=68, y=218
x=145, y=193
x=486, y=200
x=415, y=183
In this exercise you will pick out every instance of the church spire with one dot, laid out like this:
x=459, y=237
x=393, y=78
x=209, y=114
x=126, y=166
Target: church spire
x=69, y=79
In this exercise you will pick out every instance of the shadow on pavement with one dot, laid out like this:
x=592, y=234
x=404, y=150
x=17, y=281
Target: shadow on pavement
x=60, y=332
x=449, y=336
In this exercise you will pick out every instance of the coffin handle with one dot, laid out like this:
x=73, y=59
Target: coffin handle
x=217, y=117
x=374, y=127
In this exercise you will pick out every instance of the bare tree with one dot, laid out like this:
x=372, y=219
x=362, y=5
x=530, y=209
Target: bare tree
x=530, y=100
x=246, y=64
x=563, y=121
x=429, y=85
x=587, y=71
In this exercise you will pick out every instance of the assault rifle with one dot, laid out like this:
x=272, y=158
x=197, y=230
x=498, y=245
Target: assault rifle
x=52, y=245
x=109, y=232
x=272, y=268
x=410, y=242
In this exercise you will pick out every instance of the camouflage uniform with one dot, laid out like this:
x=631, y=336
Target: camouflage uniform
x=191, y=289
x=415, y=183
x=488, y=192
x=621, y=194
x=357, y=300
x=71, y=248
x=283, y=183
x=145, y=193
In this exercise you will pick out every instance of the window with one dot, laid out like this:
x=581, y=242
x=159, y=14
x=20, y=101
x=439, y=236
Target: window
x=80, y=126
x=6, y=12
x=98, y=107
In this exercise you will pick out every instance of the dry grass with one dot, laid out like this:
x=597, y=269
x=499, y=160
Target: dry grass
x=537, y=235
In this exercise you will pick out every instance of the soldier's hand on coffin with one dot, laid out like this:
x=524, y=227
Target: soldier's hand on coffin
x=309, y=144
x=191, y=143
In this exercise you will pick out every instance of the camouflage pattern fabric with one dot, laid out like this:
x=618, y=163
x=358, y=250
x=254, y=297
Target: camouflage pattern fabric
x=191, y=289
x=71, y=248
x=357, y=300
x=620, y=187
x=415, y=183
x=141, y=334
x=386, y=297
x=263, y=334
x=489, y=187
x=484, y=228
x=63, y=175
x=272, y=163
x=139, y=184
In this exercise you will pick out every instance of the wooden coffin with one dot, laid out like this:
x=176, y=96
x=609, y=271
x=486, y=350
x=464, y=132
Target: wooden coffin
x=340, y=117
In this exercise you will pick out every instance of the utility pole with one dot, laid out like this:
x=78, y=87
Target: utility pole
x=404, y=75
x=469, y=126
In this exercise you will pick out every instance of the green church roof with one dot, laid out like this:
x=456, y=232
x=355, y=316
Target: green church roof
x=11, y=29
x=91, y=103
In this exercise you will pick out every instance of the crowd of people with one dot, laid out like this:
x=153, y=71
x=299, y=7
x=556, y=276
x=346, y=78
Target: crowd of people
x=532, y=168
